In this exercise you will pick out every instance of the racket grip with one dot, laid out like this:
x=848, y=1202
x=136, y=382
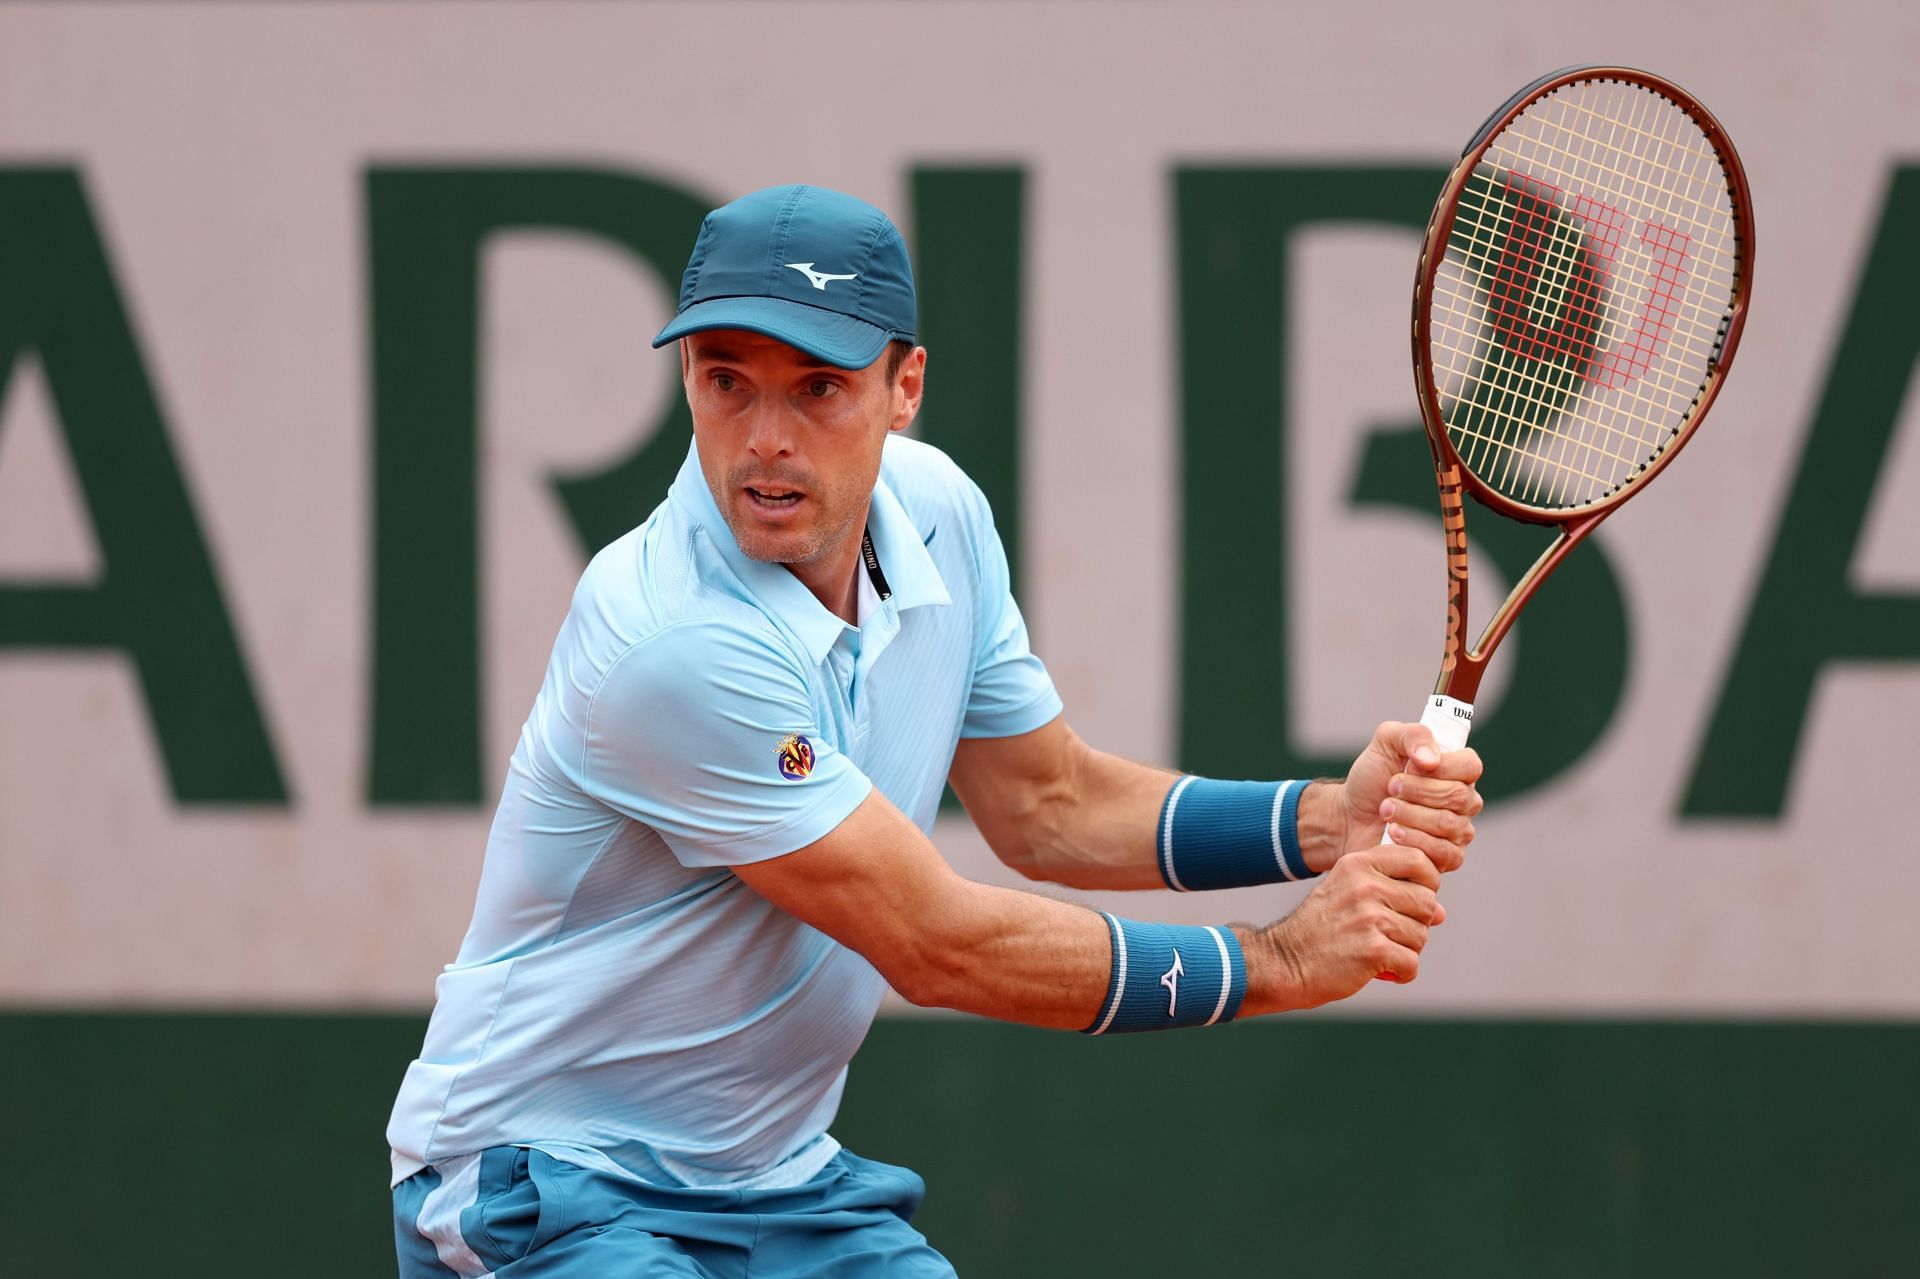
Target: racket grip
x=1449, y=720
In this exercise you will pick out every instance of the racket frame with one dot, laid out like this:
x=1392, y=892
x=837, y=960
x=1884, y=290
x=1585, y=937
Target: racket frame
x=1463, y=666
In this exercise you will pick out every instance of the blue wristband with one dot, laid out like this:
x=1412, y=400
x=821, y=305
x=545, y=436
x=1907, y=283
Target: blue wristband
x=1168, y=975
x=1230, y=834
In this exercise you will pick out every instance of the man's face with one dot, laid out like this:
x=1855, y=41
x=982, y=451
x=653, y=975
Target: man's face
x=791, y=446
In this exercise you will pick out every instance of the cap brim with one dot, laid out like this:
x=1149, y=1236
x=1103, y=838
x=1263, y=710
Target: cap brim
x=840, y=340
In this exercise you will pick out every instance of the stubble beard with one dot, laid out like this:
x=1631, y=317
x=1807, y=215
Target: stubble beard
x=797, y=546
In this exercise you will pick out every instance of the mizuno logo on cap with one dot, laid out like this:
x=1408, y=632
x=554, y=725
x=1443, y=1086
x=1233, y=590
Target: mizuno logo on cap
x=818, y=279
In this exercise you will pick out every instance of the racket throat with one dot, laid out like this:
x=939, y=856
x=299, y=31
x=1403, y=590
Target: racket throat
x=1463, y=666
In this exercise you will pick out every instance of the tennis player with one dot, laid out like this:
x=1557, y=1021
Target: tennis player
x=710, y=858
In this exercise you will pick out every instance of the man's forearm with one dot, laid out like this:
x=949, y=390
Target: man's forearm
x=1015, y=957
x=1005, y=954
x=1110, y=835
x=1101, y=833
x=1057, y=810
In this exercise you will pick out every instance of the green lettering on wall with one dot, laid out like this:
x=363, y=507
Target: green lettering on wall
x=1233, y=227
x=969, y=241
x=968, y=262
x=1806, y=615
x=426, y=230
x=158, y=598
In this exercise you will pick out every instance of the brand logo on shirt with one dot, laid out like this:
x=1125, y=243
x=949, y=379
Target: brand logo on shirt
x=796, y=757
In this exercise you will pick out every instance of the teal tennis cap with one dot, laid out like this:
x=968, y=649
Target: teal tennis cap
x=813, y=268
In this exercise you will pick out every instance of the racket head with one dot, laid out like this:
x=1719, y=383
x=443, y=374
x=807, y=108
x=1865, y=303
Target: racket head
x=1581, y=292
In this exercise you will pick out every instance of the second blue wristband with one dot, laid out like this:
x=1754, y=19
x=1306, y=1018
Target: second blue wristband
x=1170, y=975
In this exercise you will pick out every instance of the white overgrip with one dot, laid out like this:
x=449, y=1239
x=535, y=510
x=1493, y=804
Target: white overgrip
x=1449, y=720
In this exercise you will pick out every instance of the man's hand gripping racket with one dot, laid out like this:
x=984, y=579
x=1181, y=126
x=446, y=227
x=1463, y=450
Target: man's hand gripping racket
x=1579, y=297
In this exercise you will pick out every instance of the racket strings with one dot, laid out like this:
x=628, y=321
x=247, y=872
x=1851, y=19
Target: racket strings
x=1547, y=147
x=1569, y=146
x=1687, y=295
x=1566, y=146
x=1561, y=252
x=1602, y=191
x=1565, y=455
x=1515, y=389
x=1544, y=386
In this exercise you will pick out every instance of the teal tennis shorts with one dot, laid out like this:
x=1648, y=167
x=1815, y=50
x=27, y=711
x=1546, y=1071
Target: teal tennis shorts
x=520, y=1214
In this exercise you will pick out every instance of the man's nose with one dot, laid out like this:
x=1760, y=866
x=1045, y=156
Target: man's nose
x=770, y=430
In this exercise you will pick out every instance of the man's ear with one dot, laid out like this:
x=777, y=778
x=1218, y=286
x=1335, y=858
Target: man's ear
x=908, y=387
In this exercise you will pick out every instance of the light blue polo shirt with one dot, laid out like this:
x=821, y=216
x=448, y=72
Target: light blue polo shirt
x=623, y=1000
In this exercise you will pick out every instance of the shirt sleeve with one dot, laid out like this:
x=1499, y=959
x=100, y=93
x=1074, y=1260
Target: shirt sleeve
x=705, y=732
x=1011, y=692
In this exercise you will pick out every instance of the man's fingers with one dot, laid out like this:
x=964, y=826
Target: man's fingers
x=1402, y=934
x=1398, y=964
x=1415, y=902
x=1397, y=943
x=1386, y=902
x=1411, y=742
x=1462, y=765
x=1414, y=743
x=1438, y=822
x=1437, y=792
x=1395, y=861
x=1442, y=856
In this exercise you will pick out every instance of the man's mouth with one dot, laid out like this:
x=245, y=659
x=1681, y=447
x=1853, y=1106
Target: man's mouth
x=773, y=496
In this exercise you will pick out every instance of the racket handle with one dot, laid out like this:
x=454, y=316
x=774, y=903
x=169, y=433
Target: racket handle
x=1449, y=720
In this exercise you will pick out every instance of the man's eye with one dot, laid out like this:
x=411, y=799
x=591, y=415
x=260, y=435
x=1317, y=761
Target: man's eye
x=820, y=388
x=723, y=381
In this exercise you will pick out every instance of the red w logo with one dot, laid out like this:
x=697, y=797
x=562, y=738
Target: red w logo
x=1547, y=292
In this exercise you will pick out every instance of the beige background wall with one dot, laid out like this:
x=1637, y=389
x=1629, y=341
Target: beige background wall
x=223, y=150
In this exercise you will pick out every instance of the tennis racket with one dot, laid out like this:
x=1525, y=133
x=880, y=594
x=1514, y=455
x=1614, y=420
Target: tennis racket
x=1580, y=293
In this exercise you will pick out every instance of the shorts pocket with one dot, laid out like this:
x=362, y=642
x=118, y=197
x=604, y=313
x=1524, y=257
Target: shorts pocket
x=505, y=1222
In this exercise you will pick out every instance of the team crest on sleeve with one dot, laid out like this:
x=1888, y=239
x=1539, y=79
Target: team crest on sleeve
x=796, y=757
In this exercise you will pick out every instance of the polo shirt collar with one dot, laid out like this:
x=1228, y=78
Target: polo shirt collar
x=911, y=576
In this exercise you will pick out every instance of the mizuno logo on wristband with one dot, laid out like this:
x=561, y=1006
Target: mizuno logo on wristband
x=1171, y=980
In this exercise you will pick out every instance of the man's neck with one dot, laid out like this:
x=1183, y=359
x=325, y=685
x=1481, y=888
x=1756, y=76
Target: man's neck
x=833, y=578
x=834, y=581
